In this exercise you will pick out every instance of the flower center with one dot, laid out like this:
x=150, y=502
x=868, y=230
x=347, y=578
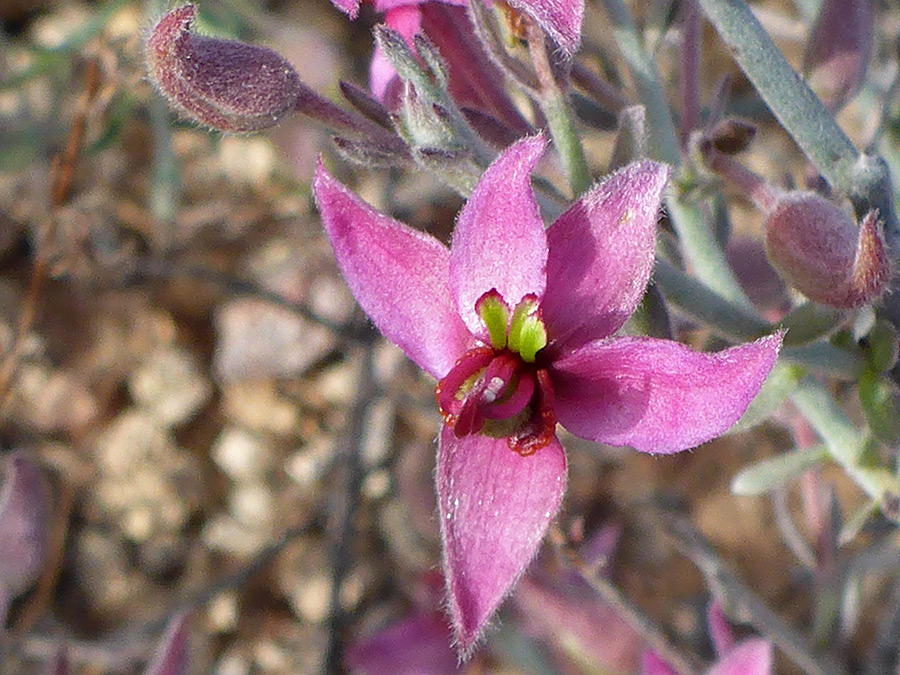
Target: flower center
x=500, y=390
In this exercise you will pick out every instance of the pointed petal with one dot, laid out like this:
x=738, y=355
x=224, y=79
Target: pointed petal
x=561, y=19
x=398, y=275
x=348, y=7
x=658, y=395
x=750, y=657
x=416, y=645
x=719, y=628
x=652, y=664
x=499, y=241
x=601, y=255
x=172, y=656
x=24, y=514
x=495, y=506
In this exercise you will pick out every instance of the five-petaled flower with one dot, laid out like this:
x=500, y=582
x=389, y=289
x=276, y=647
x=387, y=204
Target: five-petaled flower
x=517, y=324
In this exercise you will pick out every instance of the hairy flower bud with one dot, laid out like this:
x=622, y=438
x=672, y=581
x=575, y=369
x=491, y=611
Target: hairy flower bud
x=820, y=251
x=227, y=85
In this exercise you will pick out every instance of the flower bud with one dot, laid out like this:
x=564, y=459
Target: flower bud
x=23, y=524
x=819, y=251
x=838, y=51
x=227, y=85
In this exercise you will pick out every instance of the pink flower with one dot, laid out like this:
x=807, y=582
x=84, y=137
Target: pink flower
x=516, y=323
x=752, y=656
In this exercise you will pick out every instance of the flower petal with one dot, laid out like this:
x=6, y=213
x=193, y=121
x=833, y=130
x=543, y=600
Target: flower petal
x=386, y=5
x=601, y=256
x=658, y=395
x=653, y=664
x=172, y=656
x=561, y=19
x=416, y=645
x=499, y=241
x=24, y=515
x=719, y=628
x=398, y=275
x=750, y=657
x=348, y=7
x=495, y=506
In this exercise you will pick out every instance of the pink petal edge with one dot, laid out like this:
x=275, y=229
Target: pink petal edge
x=398, y=275
x=750, y=657
x=172, y=654
x=348, y=7
x=495, y=507
x=499, y=240
x=653, y=664
x=719, y=628
x=601, y=255
x=657, y=395
x=561, y=19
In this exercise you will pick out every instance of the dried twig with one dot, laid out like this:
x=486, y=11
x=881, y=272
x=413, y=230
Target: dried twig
x=740, y=600
x=654, y=635
x=62, y=170
x=341, y=559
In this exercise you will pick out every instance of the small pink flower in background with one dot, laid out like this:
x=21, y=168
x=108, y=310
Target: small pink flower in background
x=517, y=324
x=416, y=645
x=474, y=80
x=837, y=54
x=748, y=657
x=575, y=625
x=24, y=516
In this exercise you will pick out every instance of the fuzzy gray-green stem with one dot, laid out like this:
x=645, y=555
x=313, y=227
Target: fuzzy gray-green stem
x=843, y=439
x=555, y=106
x=696, y=237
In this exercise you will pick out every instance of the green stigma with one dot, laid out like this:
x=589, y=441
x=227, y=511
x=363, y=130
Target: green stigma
x=527, y=334
x=495, y=314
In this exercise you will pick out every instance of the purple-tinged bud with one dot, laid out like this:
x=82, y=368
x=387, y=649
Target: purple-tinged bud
x=172, y=656
x=838, y=50
x=732, y=135
x=227, y=85
x=23, y=524
x=819, y=251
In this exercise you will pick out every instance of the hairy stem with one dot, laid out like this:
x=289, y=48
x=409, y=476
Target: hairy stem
x=555, y=106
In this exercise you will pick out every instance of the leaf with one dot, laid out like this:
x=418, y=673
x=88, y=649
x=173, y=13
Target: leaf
x=778, y=386
x=880, y=401
x=770, y=474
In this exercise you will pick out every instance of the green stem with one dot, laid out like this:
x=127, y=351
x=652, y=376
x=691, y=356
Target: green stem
x=702, y=250
x=844, y=441
x=697, y=239
x=555, y=105
x=647, y=83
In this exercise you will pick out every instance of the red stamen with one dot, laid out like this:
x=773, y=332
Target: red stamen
x=447, y=389
x=541, y=430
